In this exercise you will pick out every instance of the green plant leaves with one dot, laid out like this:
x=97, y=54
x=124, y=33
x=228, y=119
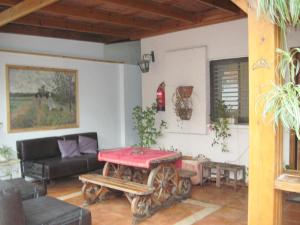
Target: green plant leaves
x=288, y=66
x=281, y=12
x=283, y=102
x=144, y=123
x=220, y=126
x=6, y=152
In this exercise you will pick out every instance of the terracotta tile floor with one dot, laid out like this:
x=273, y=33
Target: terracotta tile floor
x=233, y=207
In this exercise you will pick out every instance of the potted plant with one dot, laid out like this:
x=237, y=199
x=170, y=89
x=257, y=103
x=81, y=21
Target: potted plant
x=282, y=101
x=220, y=126
x=6, y=153
x=144, y=123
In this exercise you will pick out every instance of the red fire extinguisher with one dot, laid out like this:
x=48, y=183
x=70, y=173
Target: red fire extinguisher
x=160, y=97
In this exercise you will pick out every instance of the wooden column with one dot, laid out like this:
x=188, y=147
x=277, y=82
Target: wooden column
x=265, y=161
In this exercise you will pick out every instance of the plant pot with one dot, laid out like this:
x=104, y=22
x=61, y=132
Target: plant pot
x=185, y=114
x=185, y=91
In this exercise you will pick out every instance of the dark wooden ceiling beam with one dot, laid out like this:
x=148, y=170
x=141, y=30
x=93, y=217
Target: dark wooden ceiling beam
x=224, y=5
x=46, y=32
x=55, y=19
x=210, y=17
x=97, y=15
x=65, y=24
x=155, y=8
x=94, y=15
x=22, y=9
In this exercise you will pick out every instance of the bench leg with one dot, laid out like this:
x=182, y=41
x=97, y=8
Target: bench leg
x=92, y=192
x=209, y=174
x=218, y=177
x=227, y=176
x=140, y=208
x=235, y=179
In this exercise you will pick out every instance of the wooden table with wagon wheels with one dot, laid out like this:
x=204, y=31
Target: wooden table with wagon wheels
x=150, y=179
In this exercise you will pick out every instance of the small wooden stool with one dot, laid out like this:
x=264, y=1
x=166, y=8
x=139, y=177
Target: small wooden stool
x=218, y=174
x=223, y=172
x=235, y=169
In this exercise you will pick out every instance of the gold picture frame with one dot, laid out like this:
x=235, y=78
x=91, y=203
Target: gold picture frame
x=41, y=98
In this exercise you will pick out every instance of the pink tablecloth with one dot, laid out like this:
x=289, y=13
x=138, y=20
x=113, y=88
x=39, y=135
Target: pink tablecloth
x=135, y=156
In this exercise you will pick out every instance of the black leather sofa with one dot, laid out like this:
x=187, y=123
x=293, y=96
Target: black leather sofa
x=51, y=211
x=41, y=158
x=37, y=209
x=27, y=189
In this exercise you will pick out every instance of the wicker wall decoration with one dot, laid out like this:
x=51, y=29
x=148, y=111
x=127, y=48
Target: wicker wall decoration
x=183, y=103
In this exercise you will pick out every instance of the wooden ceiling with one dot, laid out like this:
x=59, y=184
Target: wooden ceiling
x=109, y=21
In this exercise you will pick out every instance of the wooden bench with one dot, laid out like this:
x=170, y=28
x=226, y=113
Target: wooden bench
x=139, y=195
x=117, y=184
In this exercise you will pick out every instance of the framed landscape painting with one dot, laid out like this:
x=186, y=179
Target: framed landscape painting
x=41, y=98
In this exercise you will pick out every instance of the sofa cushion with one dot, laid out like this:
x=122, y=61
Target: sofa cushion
x=11, y=208
x=87, y=145
x=27, y=189
x=68, y=148
x=47, y=210
x=59, y=167
x=40, y=148
x=76, y=136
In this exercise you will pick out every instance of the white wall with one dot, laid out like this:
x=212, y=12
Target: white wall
x=55, y=46
x=223, y=41
x=131, y=96
x=127, y=52
x=178, y=72
x=100, y=97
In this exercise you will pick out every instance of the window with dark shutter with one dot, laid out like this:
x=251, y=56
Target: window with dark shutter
x=229, y=83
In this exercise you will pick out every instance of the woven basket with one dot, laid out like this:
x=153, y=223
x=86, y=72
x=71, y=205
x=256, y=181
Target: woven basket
x=185, y=91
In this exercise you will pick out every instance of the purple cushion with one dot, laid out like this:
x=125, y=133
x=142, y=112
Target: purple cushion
x=68, y=148
x=87, y=145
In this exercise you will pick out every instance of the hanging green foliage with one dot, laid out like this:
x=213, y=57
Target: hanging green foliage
x=144, y=123
x=220, y=126
x=282, y=101
x=288, y=66
x=283, y=13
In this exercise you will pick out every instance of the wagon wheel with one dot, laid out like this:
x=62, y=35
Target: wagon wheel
x=185, y=187
x=140, y=206
x=117, y=171
x=137, y=176
x=164, y=179
x=90, y=192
